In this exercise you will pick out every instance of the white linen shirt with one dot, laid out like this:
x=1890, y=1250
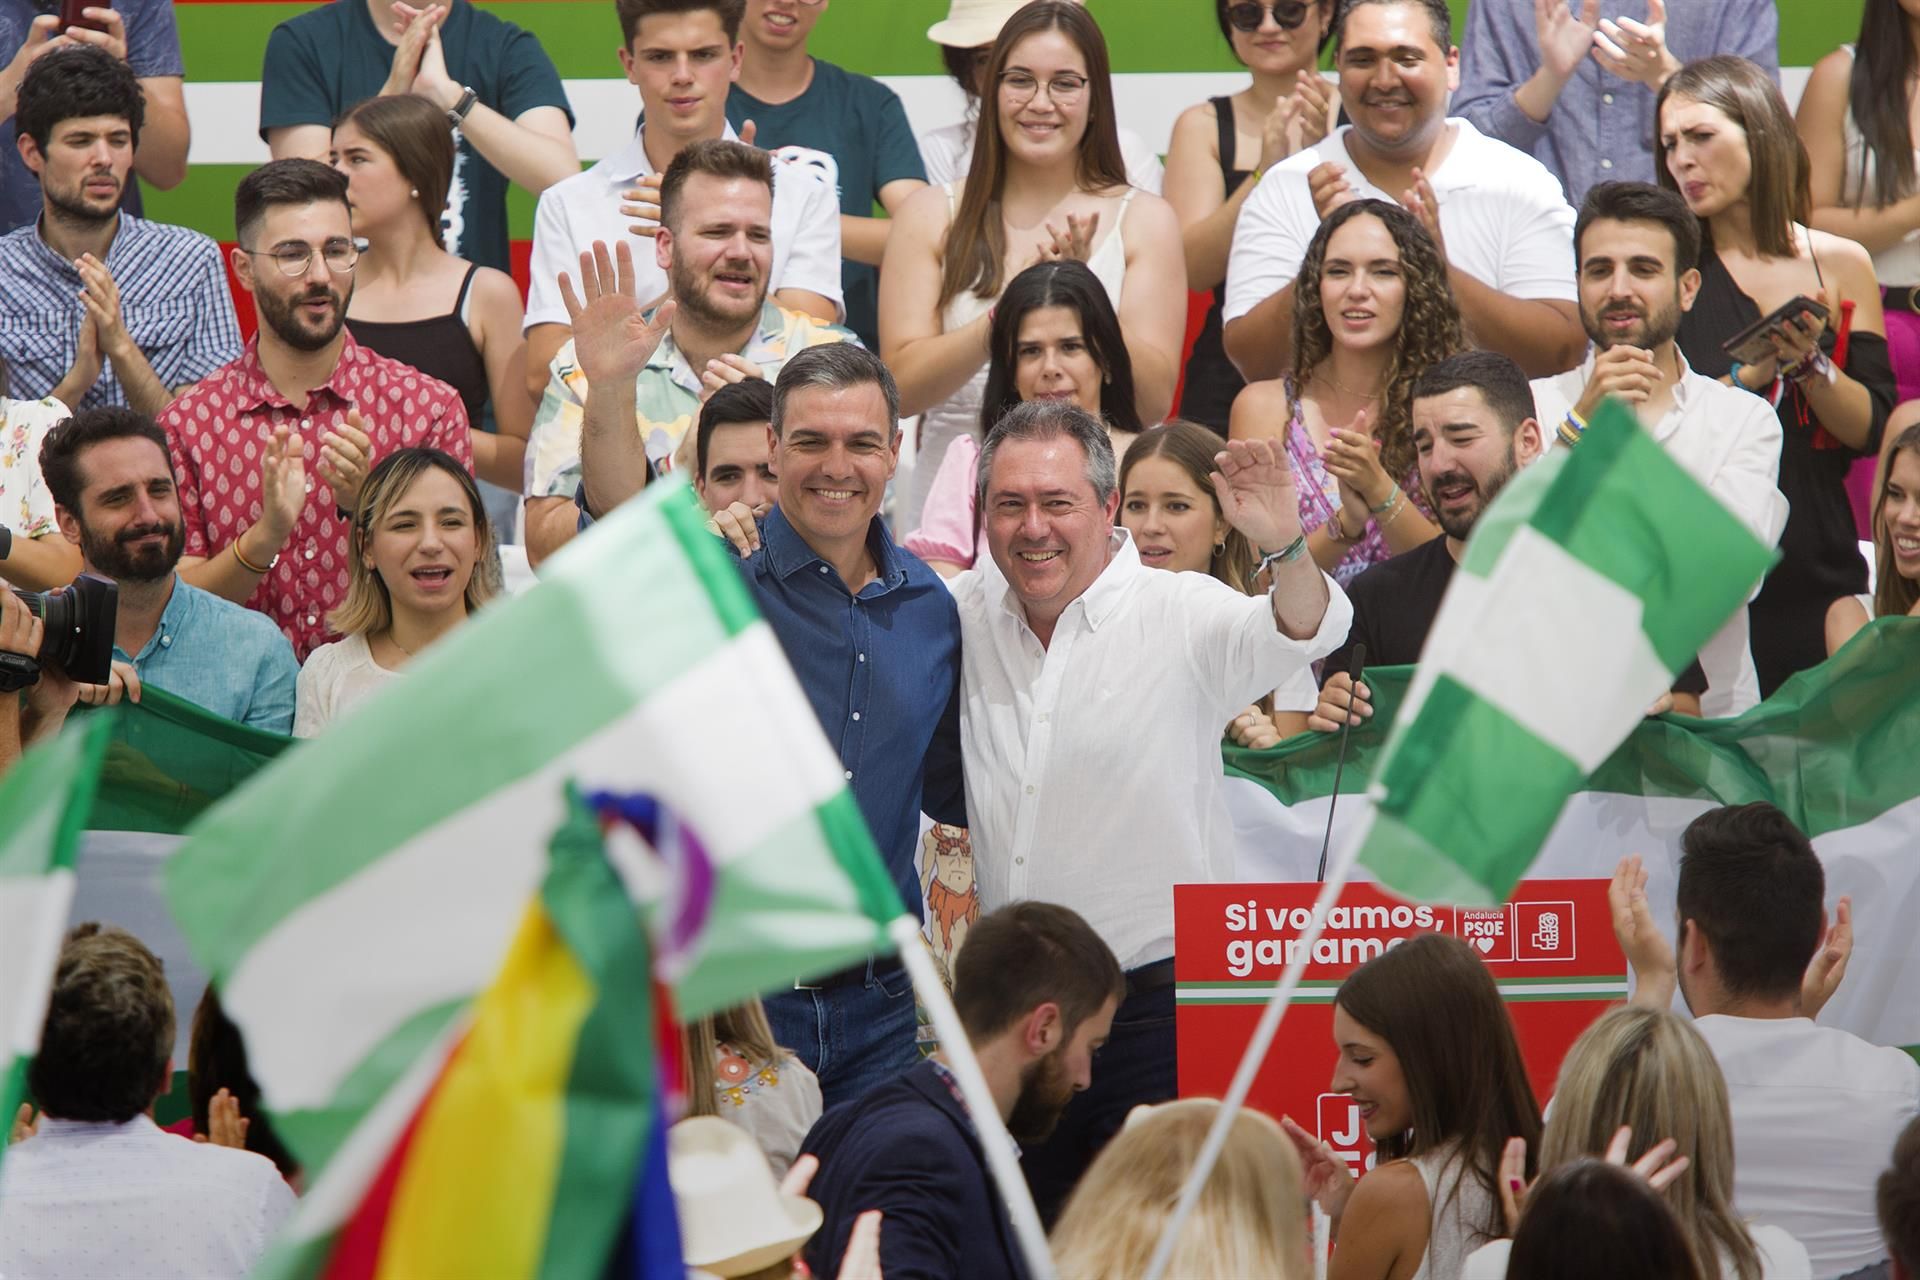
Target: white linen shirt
x=1505, y=220
x=1815, y=1114
x=79, y=1201
x=1093, y=766
x=576, y=211
x=1728, y=440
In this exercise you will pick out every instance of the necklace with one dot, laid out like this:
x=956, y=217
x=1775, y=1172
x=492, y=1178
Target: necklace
x=1345, y=391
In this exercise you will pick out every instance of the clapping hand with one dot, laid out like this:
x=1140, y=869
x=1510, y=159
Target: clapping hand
x=1648, y=953
x=226, y=1127
x=1657, y=1165
x=1424, y=205
x=25, y=1124
x=612, y=337
x=283, y=484
x=1637, y=51
x=1298, y=121
x=346, y=455
x=417, y=29
x=1565, y=41
x=1352, y=457
x=1075, y=243
x=1327, y=183
x=1254, y=482
x=1829, y=964
x=101, y=298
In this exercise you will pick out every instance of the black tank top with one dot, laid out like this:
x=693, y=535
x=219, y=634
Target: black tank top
x=1211, y=380
x=440, y=347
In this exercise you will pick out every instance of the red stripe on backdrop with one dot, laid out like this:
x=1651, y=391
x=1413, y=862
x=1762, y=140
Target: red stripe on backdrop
x=522, y=251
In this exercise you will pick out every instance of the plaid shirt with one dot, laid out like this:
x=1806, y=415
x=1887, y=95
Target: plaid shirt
x=173, y=301
x=668, y=398
x=218, y=429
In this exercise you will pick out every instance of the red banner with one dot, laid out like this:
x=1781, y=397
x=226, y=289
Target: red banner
x=1551, y=949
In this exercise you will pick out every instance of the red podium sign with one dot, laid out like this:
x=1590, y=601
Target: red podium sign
x=1551, y=949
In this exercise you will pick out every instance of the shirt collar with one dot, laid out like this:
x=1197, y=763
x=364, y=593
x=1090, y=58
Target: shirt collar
x=1684, y=383
x=765, y=347
x=121, y=236
x=1104, y=594
x=631, y=162
x=173, y=620
x=256, y=389
x=789, y=553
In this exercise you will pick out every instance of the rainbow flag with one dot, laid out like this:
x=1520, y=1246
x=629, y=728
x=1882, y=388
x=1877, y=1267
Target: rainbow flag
x=515, y=1162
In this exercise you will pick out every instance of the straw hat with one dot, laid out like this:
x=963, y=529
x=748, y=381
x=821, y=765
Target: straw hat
x=972, y=23
x=733, y=1219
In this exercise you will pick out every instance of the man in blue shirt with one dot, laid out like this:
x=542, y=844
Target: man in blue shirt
x=114, y=494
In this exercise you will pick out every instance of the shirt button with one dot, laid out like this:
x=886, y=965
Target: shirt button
x=1606, y=164
x=1019, y=862
x=849, y=775
x=856, y=715
x=823, y=568
x=1029, y=789
x=863, y=657
x=309, y=553
x=166, y=642
x=1043, y=717
x=1607, y=98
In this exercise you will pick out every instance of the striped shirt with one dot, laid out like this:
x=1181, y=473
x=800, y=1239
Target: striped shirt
x=173, y=301
x=216, y=432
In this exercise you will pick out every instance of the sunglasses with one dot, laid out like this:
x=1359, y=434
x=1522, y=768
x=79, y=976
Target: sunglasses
x=1287, y=15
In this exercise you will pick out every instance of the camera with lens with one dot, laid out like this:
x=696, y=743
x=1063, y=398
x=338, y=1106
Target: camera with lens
x=78, y=625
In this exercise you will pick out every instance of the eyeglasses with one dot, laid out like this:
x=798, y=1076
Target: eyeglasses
x=294, y=260
x=1287, y=14
x=1064, y=89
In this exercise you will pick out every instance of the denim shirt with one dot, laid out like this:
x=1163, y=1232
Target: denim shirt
x=232, y=661
x=882, y=670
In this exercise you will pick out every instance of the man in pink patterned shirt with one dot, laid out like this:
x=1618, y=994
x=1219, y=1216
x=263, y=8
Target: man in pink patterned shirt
x=271, y=449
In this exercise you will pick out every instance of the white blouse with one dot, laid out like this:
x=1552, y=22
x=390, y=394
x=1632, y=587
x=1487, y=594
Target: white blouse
x=336, y=677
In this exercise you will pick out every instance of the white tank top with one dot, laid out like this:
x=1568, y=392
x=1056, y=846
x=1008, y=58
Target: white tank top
x=1461, y=1208
x=1900, y=264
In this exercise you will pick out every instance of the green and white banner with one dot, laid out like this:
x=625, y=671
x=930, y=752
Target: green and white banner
x=1835, y=748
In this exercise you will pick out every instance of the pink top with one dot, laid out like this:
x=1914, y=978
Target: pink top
x=1319, y=494
x=948, y=530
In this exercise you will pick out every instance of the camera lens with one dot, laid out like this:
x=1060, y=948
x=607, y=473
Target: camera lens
x=79, y=620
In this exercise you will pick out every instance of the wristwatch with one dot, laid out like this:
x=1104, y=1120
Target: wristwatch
x=460, y=109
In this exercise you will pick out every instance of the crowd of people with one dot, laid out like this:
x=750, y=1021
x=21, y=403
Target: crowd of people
x=941, y=396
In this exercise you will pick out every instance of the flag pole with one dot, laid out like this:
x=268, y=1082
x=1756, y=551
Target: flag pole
x=985, y=1113
x=1256, y=1052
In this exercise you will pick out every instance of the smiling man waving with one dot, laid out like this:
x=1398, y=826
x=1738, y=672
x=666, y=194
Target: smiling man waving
x=1093, y=691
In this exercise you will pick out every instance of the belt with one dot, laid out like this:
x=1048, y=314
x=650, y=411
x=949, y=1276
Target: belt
x=1157, y=976
x=854, y=975
x=1901, y=297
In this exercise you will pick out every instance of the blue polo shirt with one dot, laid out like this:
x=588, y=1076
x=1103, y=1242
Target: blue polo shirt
x=232, y=661
x=882, y=670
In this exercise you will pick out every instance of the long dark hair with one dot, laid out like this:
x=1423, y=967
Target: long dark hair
x=1877, y=94
x=1434, y=1002
x=1780, y=182
x=1591, y=1220
x=1430, y=328
x=977, y=240
x=216, y=1060
x=414, y=133
x=1893, y=595
x=1059, y=284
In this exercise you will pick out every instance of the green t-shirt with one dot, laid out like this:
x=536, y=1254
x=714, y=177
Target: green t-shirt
x=854, y=131
x=330, y=58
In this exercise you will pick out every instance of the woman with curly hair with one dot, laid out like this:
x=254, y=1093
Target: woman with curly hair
x=1371, y=314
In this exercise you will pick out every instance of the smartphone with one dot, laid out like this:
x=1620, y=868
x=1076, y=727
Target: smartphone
x=72, y=14
x=1752, y=344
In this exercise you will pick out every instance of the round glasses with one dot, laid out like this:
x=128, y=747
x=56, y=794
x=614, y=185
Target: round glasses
x=1064, y=89
x=296, y=259
x=1287, y=15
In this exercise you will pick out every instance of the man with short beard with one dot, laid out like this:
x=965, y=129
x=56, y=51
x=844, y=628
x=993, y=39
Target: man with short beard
x=1473, y=429
x=1036, y=990
x=1636, y=246
x=114, y=495
x=716, y=246
x=303, y=394
x=97, y=306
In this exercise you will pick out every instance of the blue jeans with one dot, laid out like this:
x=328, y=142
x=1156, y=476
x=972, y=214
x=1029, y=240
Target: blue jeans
x=852, y=1037
x=1134, y=1066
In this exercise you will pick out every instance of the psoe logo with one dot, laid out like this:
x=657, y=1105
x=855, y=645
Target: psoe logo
x=1487, y=930
x=1341, y=1127
x=1543, y=931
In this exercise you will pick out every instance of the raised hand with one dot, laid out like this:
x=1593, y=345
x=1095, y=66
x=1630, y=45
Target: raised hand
x=1254, y=482
x=1637, y=51
x=416, y=27
x=1076, y=242
x=1424, y=205
x=1324, y=1174
x=612, y=337
x=641, y=202
x=432, y=80
x=346, y=455
x=101, y=298
x=1646, y=948
x=226, y=1127
x=1657, y=1164
x=1565, y=41
x=25, y=1124
x=1314, y=113
x=283, y=484
x=1327, y=183
x=1829, y=964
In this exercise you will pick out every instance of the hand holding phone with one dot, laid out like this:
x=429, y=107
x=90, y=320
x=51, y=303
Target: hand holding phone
x=1754, y=344
x=73, y=14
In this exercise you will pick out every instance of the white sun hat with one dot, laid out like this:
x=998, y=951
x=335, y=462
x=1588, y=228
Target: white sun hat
x=733, y=1219
x=972, y=23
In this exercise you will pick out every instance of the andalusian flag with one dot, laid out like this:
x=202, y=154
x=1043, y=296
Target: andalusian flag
x=355, y=898
x=1592, y=580
x=44, y=800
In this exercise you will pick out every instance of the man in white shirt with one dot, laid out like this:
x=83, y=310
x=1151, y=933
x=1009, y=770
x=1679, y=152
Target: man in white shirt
x=1093, y=690
x=1496, y=213
x=99, y=1189
x=682, y=57
x=1637, y=246
x=1815, y=1109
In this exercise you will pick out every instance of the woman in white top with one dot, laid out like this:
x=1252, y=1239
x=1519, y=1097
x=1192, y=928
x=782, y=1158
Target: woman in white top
x=1428, y=1055
x=736, y=1070
x=1649, y=1071
x=38, y=557
x=1046, y=183
x=423, y=560
x=1896, y=544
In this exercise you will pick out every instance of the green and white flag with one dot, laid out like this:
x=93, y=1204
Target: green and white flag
x=1834, y=748
x=355, y=896
x=44, y=800
x=1589, y=583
